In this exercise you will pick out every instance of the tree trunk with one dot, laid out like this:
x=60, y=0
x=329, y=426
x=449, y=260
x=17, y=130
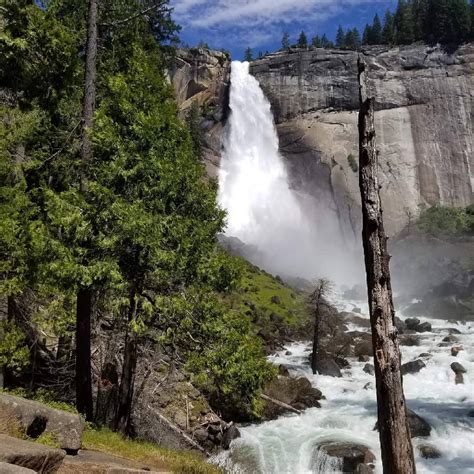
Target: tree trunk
x=89, y=87
x=314, y=355
x=397, y=451
x=84, y=403
x=127, y=381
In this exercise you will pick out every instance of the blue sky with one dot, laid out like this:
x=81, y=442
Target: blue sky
x=236, y=24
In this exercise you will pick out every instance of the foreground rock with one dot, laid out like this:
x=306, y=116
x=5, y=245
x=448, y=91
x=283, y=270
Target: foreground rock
x=354, y=458
x=34, y=419
x=12, y=469
x=328, y=366
x=30, y=455
x=295, y=392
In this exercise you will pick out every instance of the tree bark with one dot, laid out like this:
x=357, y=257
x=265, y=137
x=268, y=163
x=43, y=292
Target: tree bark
x=84, y=402
x=397, y=451
x=89, y=87
x=127, y=381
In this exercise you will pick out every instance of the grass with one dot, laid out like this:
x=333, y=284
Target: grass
x=182, y=462
x=269, y=302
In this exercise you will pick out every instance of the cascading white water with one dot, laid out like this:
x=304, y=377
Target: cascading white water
x=263, y=211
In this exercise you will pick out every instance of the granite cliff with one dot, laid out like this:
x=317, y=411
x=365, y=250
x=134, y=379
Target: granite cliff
x=424, y=121
x=424, y=100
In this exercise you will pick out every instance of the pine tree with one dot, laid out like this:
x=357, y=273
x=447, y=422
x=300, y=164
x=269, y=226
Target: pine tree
x=325, y=43
x=357, y=40
x=302, y=40
x=472, y=20
x=340, y=38
x=367, y=35
x=316, y=41
x=376, y=31
x=388, y=33
x=420, y=11
x=404, y=23
x=285, y=41
x=248, y=55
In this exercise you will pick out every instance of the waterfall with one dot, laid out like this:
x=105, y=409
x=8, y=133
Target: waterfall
x=262, y=210
x=291, y=234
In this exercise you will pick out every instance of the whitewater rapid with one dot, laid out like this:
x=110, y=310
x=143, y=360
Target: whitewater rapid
x=287, y=445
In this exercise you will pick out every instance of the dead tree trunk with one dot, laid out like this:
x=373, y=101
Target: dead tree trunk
x=397, y=451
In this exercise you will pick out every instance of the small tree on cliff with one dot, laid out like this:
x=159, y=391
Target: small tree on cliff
x=395, y=442
x=316, y=302
x=302, y=40
x=248, y=55
x=285, y=41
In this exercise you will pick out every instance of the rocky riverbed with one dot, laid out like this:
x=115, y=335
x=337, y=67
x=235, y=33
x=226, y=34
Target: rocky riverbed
x=340, y=436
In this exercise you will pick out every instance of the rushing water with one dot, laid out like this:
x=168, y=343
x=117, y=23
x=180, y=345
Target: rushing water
x=292, y=237
x=265, y=213
x=287, y=445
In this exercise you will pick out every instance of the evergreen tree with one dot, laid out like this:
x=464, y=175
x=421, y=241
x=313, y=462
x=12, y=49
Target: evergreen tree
x=340, y=38
x=248, y=55
x=367, y=35
x=316, y=41
x=472, y=20
x=404, y=27
x=376, y=31
x=302, y=40
x=357, y=40
x=420, y=12
x=285, y=41
x=388, y=32
x=325, y=42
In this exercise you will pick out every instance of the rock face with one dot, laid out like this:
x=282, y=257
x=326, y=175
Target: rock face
x=30, y=455
x=354, y=458
x=34, y=418
x=202, y=76
x=424, y=114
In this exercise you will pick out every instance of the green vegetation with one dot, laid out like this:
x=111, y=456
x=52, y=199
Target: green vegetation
x=248, y=55
x=302, y=41
x=184, y=462
x=124, y=235
x=351, y=159
x=447, y=221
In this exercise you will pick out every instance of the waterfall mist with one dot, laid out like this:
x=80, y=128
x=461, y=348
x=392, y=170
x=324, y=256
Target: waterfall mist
x=289, y=238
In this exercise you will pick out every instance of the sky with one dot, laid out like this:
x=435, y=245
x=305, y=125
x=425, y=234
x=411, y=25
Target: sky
x=235, y=25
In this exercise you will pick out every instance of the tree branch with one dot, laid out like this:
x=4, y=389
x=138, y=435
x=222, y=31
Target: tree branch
x=134, y=16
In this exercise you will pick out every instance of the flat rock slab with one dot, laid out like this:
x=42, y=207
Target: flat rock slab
x=34, y=418
x=12, y=469
x=30, y=455
x=95, y=462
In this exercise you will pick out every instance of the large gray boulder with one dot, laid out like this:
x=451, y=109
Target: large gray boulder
x=412, y=367
x=34, y=418
x=30, y=455
x=6, y=468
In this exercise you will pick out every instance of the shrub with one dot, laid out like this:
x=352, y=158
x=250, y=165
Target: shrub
x=440, y=220
x=351, y=159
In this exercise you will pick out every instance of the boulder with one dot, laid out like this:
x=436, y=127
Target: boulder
x=369, y=369
x=455, y=350
x=470, y=413
x=342, y=363
x=275, y=299
x=425, y=355
x=231, y=433
x=364, y=348
x=12, y=469
x=409, y=340
x=364, y=358
x=354, y=458
x=296, y=392
x=200, y=435
x=457, y=368
x=30, y=455
x=328, y=366
x=418, y=426
x=450, y=339
x=412, y=367
x=458, y=379
x=412, y=323
x=424, y=327
x=428, y=451
x=35, y=418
